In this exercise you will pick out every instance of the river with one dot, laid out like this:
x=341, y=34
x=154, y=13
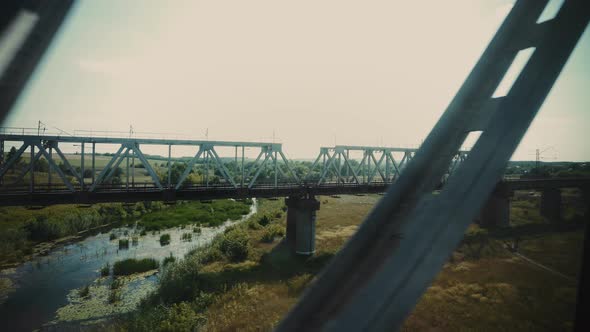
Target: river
x=45, y=291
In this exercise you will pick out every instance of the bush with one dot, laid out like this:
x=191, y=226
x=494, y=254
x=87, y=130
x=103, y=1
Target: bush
x=123, y=243
x=105, y=270
x=114, y=296
x=165, y=239
x=132, y=265
x=187, y=237
x=168, y=260
x=112, y=236
x=197, y=230
x=143, y=232
x=253, y=224
x=235, y=245
x=271, y=232
x=264, y=220
x=116, y=284
x=84, y=291
x=180, y=281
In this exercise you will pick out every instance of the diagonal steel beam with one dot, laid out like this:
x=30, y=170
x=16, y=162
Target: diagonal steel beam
x=106, y=169
x=112, y=171
x=53, y=165
x=147, y=166
x=67, y=163
x=259, y=170
x=189, y=168
x=376, y=279
x=13, y=159
x=29, y=167
x=377, y=167
x=223, y=169
x=326, y=169
x=347, y=163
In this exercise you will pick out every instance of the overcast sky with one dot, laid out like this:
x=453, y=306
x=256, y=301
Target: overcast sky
x=314, y=73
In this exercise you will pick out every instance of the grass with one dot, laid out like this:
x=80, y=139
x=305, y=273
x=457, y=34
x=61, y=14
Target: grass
x=165, y=239
x=105, y=270
x=123, y=244
x=21, y=229
x=205, y=214
x=483, y=287
x=84, y=291
x=168, y=260
x=132, y=265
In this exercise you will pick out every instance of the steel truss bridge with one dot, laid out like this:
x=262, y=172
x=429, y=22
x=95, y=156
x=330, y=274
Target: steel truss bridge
x=334, y=171
x=378, y=276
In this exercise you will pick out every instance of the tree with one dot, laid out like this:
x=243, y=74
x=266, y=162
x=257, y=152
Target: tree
x=11, y=153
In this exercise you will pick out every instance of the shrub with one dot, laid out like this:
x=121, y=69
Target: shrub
x=84, y=291
x=116, y=284
x=187, y=237
x=253, y=224
x=114, y=296
x=143, y=232
x=168, y=260
x=264, y=220
x=132, y=265
x=112, y=236
x=165, y=239
x=271, y=232
x=105, y=270
x=197, y=230
x=180, y=281
x=235, y=245
x=123, y=243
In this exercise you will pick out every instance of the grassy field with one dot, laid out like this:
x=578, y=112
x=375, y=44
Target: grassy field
x=483, y=287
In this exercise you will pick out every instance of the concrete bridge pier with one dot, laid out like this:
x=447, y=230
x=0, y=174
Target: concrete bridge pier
x=551, y=204
x=301, y=215
x=496, y=211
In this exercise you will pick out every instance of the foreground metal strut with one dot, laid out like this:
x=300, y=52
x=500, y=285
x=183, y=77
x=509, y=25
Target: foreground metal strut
x=377, y=278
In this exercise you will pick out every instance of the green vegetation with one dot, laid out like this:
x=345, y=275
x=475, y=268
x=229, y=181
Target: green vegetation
x=84, y=291
x=186, y=237
x=112, y=236
x=114, y=296
x=131, y=265
x=272, y=232
x=116, y=283
x=206, y=214
x=105, y=270
x=165, y=239
x=21, y=228
x=235, y=244
x=123, y=244
x=197, y=230
x=168, y=260
x=483, y=287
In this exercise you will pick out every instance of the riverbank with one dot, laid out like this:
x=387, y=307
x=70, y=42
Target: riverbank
x=26, y=232
x=483, y=286
x=41, y=285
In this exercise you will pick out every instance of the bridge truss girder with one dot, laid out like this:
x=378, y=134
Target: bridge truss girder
x=270, y=159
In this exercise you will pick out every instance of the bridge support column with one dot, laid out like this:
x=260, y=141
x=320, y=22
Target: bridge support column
x=551, y=204
x=301, y=214
x=496, y=211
